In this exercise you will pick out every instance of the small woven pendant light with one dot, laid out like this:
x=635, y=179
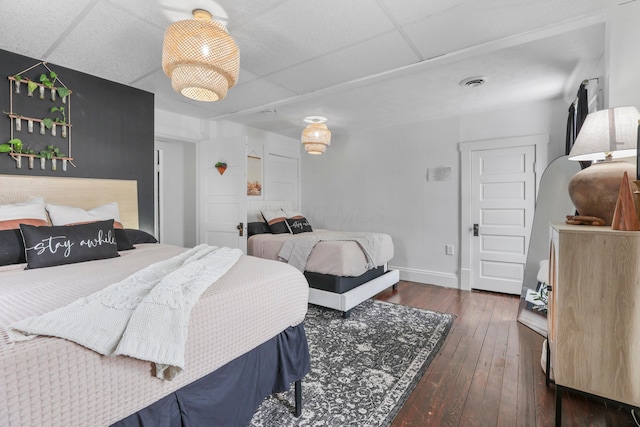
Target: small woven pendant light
x=316, y=136
x=200, y=57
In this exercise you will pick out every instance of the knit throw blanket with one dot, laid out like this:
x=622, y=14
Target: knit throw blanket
x=145, y=316
x=296, y=250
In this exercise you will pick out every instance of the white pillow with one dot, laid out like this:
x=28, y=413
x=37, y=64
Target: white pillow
x=33, y=208
x=276, y=221
x=65, y=215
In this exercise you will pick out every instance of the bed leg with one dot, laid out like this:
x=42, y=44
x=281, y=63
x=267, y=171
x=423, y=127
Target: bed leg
x=346, y=314
x=395, y=286
x=298, y=394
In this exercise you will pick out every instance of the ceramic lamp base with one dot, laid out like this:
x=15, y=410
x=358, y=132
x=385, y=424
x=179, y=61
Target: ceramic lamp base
x=594, y=190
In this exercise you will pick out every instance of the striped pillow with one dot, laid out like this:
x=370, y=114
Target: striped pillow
x=277, y=221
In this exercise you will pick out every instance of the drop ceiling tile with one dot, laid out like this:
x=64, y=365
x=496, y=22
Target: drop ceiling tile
x=254, y=94
x=376, y=55
x=406, y=11
x=31, y=27
x=298, y=31
x=164, y=12
x=122, y=49
x=489, y=20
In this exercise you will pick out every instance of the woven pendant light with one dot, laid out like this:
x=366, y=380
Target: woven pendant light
x=316, y=136
x=200, y=57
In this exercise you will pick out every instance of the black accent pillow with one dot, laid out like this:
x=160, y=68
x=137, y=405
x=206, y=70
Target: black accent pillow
x=299, y=224
x=139, y=236
x=68, y=244
x=257, y=227
x=11, y=247
x=122, y=240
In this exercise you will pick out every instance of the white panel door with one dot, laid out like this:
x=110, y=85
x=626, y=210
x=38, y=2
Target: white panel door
x=503, y=203
x=223, y=198
x=281, y=178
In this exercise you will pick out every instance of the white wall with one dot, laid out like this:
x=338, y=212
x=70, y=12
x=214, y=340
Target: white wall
x=178, y=218
x=177, y=136
x=264, y=144
x=376, y=181
x=623, y=56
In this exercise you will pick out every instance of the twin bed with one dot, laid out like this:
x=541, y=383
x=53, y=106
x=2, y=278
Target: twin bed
x=339, y=274
x=245, y=337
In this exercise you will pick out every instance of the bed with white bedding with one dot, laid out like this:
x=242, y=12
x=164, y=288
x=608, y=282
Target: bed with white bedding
x=342, y=268
x=245, y=340
x=333, y=257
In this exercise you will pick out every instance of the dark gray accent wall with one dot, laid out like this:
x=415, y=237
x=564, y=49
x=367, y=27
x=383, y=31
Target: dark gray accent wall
x=112, y=135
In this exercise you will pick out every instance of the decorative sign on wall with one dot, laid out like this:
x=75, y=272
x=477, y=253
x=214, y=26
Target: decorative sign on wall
x=51, y=99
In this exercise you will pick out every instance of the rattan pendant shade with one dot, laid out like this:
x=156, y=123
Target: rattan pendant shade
x=200, y=57
x=316, y=137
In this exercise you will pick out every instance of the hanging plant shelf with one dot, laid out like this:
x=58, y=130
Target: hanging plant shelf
x=32, y=157
x=49, y=87
x=55, y=91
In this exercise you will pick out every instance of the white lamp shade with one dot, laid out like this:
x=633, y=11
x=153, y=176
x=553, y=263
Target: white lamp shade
x=612, y=131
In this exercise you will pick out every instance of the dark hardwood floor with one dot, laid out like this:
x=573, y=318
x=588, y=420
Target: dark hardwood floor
x=488, y=371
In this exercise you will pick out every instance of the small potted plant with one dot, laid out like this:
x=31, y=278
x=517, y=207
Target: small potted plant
x=50, y=153
x=48, y=82
x=15, y=146
x=221, y=166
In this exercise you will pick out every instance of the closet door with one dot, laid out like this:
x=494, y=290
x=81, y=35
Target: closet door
x=282, y=178
x=223, y=197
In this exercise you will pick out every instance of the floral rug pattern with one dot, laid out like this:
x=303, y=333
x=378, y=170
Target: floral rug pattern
x=362, y=368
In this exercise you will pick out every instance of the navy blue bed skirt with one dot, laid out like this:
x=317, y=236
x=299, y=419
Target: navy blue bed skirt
x=230, y=395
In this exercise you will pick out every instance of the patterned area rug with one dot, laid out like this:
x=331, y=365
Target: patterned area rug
x=363, y=368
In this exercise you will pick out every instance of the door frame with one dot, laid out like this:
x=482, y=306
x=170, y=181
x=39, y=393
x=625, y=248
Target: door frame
x=541, y=143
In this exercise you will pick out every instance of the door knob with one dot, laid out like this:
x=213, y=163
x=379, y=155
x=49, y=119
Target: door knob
x=240, y=228
x=475, y=229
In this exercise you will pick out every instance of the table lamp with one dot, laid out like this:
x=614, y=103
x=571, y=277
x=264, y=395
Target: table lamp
x=604, y=136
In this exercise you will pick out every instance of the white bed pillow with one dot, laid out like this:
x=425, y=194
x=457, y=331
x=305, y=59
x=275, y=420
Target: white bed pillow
x=276, y=221
x=68, y=215
x=30, y=212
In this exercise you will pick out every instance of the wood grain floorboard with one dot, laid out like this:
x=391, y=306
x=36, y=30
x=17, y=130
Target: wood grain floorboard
x=488, y=372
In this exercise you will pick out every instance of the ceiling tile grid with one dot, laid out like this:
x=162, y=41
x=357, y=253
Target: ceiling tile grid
x=108, y=48
x=33, y=26
x=376, y=55
x=363, y=63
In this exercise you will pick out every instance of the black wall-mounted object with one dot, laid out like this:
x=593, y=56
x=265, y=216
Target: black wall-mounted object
x=112, y=134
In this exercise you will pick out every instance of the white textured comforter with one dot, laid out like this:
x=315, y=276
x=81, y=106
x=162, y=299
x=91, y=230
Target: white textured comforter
x=55, y=382
x=145, y=315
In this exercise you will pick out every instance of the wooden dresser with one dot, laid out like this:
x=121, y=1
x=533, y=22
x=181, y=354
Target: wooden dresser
x=594, y=312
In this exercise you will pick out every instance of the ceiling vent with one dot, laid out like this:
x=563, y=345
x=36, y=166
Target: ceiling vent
x=473, y=81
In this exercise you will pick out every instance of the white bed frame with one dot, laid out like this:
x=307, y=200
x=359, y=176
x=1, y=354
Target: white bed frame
x=346, y=301
x=343, y=302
